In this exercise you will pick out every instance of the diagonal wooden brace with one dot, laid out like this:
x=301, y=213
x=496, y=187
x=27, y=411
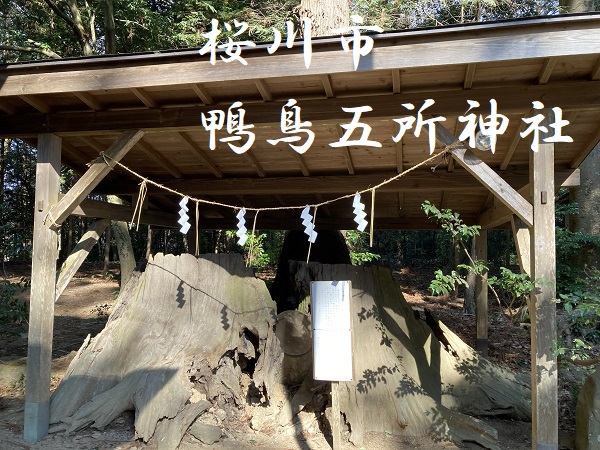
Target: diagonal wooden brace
x=487, y=176
x=94, y=175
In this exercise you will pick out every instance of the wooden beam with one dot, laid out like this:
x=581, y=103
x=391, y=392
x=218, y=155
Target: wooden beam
x=396, y=81
x=78, y=255
x=202, y=93
x=124, y=213
x=547, y=69
x=251, y=158
x=570, y=96
x=469, y=75
x=43, y=269
x=327, y=223
x=500, y=214
x=587, y=149
x=7, y=108
x=501, y=42
x=345, y=152
x=264, y=90
x=595, y=75
x=159, y=159
x=399, y=147
x=418, y=180
x=324, y=208
x=544, y=370
x=327, y=85
x=514, y=141
x=89, y=100
x=36, y=102
x=201, y=155
x=97, y=171
x=486, y=175
x=300, y=160
x=144, y=97
x=522, y=238
x=481, y=296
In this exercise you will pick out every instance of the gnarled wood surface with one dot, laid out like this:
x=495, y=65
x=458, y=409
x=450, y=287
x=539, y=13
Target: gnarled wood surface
x=182, y=319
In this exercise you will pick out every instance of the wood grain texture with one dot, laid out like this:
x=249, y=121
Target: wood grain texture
x=204, y=309
x=79, y=254
x=543, y=39
x=522, y=238
x=97, y=171
x=486, y=175
x=43, y=273
x=481, y=296
x=544, y=374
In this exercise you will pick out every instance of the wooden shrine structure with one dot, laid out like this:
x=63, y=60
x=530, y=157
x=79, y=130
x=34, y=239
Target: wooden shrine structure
x=144, y=111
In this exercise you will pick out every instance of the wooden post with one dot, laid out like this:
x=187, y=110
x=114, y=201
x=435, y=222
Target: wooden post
x=544, y=371
x=522, y=239
x=43, y=273
x=336, y=431
x=481, y=296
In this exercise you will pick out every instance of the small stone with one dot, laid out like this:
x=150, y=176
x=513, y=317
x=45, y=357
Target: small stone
x=197, y=396
x=207, y=434
x=221, y=414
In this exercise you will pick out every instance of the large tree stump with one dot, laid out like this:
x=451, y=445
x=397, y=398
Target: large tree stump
x=184, y=319
x=413, y=375
x=189, y=333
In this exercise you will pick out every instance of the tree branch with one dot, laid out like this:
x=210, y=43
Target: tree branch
x=41, y=51
x=60, y=13
x=579, y=362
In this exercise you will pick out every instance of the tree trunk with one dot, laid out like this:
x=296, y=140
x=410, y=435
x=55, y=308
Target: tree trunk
x=184, y=319
x=190, y=330
x=107, y=239
x=326, y=15
x=469, y=304
x=329, y=248
x=124, y=246
x=109, y=24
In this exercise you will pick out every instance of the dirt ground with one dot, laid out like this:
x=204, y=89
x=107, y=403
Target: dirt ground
x=85, y=305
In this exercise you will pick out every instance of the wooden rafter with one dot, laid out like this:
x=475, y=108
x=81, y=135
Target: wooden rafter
x=200, y=154
x=7, y=108
x=512, y=146
x=346, y=152
x=94, y=175
x=399, y=147
x=547, y=69
x=595, y=75
x=327, y=85
x=469, y=75
x=587, y=148
x=325, y=209
x=202, y=93
x=486, y=175
x=396, y=81
x=300, y=160
x=36, y=102
x=89, y=100
x=159, y=159
x=251, y=158
x=264, y=90
x=144, y=97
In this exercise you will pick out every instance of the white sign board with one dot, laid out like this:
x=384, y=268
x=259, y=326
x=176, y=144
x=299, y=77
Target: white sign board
x=332, y=330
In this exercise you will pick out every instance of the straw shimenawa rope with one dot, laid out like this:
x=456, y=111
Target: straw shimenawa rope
x=447, y=149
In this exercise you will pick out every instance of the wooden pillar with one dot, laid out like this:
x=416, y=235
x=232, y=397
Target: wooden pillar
x=544, y=375
x=481, y=295
x=43, y=273
x=522, y=239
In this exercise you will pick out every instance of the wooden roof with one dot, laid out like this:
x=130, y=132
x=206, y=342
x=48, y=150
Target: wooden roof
x=90, y=101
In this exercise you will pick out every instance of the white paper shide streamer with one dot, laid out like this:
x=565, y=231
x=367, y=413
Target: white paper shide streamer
x=359, y=213
x=241, y=227
x=183, y=217
x=308, y=225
